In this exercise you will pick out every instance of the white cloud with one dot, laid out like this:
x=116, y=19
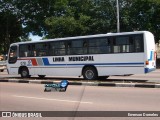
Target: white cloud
x=35, y=37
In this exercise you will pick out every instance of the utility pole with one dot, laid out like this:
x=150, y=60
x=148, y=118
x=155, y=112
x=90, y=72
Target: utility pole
x=118, y=24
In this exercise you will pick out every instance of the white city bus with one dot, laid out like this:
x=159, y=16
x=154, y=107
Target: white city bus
x=92, y=56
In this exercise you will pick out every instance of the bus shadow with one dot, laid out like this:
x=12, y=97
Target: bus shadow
x=124, y=80
x=83, y=80
x=97, y=80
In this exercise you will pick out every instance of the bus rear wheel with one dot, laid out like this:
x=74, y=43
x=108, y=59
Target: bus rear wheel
x=24, y=72
x=90, y=73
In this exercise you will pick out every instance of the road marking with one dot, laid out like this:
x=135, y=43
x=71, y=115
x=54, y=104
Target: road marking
x=59, y=100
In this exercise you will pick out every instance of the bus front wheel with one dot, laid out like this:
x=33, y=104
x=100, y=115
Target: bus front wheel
x=24, y=72
x=90, y=73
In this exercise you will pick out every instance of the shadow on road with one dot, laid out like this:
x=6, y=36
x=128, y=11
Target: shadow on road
x=80, y=79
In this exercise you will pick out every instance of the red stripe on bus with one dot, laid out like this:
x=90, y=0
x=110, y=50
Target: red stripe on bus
x=34, y=62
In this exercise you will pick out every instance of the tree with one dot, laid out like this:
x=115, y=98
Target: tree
x=103, y=17
x=63, y=18
x=10, y=26
x=71, y=19
x=82, y=18
x=33, y=14
x=141, y=15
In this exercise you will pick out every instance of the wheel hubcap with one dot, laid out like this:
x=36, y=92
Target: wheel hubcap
x=89, y=74
x=24, y=73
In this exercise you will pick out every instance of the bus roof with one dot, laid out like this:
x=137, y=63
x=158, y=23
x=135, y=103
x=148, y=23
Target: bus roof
x=82, y=37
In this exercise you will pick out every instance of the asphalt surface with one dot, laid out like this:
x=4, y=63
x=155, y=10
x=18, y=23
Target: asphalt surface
x=119, y=93
x=31, y=97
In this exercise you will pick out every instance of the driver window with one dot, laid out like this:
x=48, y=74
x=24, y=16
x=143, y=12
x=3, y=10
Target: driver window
x=13, y=54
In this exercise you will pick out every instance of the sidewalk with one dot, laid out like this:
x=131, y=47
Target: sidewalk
x=104, y=84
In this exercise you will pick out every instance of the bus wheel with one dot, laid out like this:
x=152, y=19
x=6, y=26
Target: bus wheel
x=24, y=72
x=90, y=73
x=41, y=76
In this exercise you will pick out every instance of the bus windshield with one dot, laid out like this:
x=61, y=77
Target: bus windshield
x=13, y=54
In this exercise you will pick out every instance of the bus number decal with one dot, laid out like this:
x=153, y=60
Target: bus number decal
x=23, y=63
x=29, y=63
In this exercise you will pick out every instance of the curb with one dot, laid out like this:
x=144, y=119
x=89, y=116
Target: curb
x=107, y=84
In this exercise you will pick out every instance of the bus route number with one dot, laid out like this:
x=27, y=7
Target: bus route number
x=23, y=63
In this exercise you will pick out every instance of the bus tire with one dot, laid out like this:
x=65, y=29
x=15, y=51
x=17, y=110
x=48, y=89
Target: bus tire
x=90, y=73
x=24, y=72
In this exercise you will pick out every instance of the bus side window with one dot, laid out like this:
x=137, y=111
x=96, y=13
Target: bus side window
x=33, y=49
x=122, y=44
x=85, y=47
x=99, y=45
x=40, y=49
x=51, y=49
x=104, y=45
x=24, y=51
x=61, y=48
x=138, y=43
x=94, y=46
x=29, y=50
x=21, y=51
x=69, y=44
x=109, y=45
x=131, y=44
x=76, y=47
x=116, y=47
x=58, y=48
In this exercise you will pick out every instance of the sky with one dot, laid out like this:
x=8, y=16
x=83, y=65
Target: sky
x=35, y=37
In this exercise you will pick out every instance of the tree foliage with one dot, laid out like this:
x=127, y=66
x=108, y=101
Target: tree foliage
x=63, y=18
x=10, y=25
x=71, y=19
x=100, y=17
x=141, y=15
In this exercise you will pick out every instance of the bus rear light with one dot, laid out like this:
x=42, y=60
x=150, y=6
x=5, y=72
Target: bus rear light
x=147, y=62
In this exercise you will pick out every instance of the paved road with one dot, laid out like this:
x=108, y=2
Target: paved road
x=30, y=97
x=149, y=77
x=27, y=97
